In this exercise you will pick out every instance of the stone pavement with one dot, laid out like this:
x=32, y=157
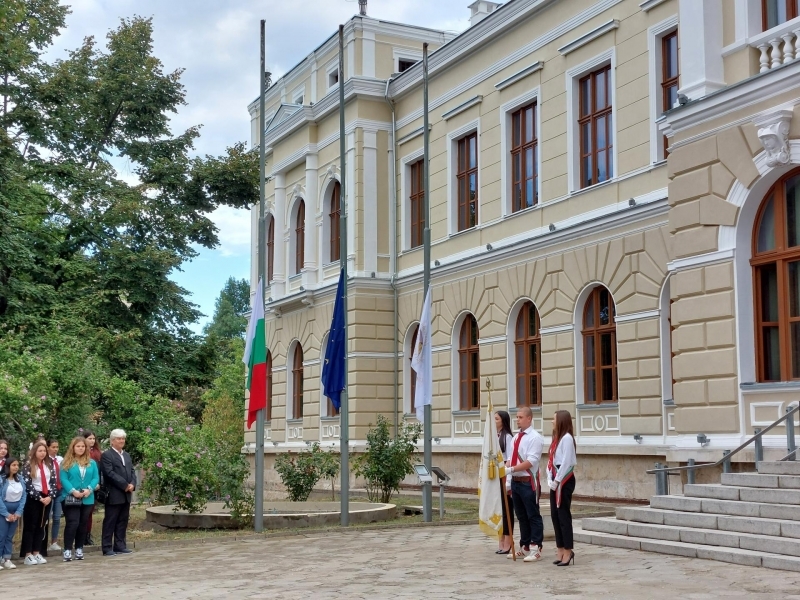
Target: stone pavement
x=437, y=562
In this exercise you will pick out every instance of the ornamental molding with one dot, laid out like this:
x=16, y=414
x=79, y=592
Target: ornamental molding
x=773, y=133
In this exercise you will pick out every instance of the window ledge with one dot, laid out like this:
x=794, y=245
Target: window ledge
x=294, y=421
x=594, y=186
x=475, y=227
x=534, y=409
x=336, y=418
x=772, y=386
x=669, y=402
x=590, y=407
x=466, y=413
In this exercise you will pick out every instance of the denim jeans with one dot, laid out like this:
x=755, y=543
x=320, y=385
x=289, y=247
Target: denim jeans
x=7, y=531
x=531, y=526
x=55, y=519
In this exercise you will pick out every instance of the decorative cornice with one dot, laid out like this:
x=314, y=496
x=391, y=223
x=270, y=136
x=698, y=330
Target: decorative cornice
x=504, y=83
x=637, y=316
x=497, y=339
x=556, y=329
x=413, y=135
x=589, y=37
x=461, y=108
x=700, y=260
x=650, y=4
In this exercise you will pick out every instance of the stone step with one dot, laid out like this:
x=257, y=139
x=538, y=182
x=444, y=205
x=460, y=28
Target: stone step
x=726, y=507
x=745, y=494
x=761, y=480
x=786, y=467
x=655, y=516
x=737, y=556
x=693, y=535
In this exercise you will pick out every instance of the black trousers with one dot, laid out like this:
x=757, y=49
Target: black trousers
x=526, y=505
x=562, y=516
x=75, y=531
x=508, y=516
x=34, y=527
x=115, y=525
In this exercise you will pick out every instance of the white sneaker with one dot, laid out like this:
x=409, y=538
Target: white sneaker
x=9, y=565
x=54, y=547
x=79, y=554
x=39, y=559
x=534, y=556
x=67, y=555
x=30, y=560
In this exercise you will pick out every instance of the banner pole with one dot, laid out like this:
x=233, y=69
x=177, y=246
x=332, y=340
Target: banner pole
x=258, y=517
x=427, y=491
x=344, y=415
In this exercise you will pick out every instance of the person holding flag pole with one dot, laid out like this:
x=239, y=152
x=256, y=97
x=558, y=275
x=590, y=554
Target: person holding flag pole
x=492, y=505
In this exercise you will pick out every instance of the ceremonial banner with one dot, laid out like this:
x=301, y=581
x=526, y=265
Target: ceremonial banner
x=490, y=490
x=333, y=367
x=421, y=360
x=255, y=357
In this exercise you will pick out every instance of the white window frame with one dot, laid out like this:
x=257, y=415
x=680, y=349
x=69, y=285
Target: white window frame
x=329, y=71
x=506, y=143
x=299, y=94
x=293, y=345
x=573, y=76
x=325, y=203
x=399, y=54
x=405, y=193
x=452, y=173
x=455, y=375
x=408, y=352
x=293, y=235
x=655, y=34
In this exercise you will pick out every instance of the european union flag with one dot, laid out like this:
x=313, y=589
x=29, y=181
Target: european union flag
x=333, y=369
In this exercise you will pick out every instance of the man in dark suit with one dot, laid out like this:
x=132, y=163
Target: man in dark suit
x=120, y=479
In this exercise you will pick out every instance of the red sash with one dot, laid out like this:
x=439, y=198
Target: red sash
x=534, y=478
x=45, y=489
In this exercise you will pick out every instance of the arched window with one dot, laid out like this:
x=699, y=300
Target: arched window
x=776, y=280
x=269, y=387
x=468, y=365
x=528, y=351
x=413, y=373
x=599, y=348
x=297, y=383
x=270, y=248
x=334, y=216
x=300, y=237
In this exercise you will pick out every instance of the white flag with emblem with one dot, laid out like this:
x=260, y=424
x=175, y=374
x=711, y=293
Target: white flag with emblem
x=490, y=484
x=421, y=360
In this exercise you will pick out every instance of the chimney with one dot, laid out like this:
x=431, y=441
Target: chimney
x=480, y=9
x=362, y=7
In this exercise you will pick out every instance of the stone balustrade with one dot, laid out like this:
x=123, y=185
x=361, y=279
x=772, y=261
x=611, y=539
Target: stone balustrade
x=778, y=46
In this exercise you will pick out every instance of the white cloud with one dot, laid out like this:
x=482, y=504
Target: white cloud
x=234, y=230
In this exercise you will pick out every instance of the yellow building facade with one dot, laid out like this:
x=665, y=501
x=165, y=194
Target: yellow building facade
x=600, y=174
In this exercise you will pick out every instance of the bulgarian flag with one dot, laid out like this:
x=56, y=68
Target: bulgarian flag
x=255, y=357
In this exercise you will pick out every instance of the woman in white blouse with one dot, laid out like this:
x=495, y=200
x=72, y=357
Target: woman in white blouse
x=561, y=480
x=505, y=440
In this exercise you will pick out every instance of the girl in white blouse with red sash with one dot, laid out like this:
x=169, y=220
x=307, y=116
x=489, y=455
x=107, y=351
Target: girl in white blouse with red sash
x=561, y=480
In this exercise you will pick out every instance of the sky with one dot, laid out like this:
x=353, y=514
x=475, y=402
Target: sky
x=216, y=42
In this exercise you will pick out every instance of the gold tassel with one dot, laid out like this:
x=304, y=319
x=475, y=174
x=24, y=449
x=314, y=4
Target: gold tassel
x=492, y=470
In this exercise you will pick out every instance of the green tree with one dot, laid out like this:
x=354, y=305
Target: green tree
x=229, y=309
x=387, y=460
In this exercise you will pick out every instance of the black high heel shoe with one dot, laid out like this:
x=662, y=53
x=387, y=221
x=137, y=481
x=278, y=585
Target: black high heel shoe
x=503, y=551
x=571, y=560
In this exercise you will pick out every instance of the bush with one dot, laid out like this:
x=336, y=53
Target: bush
x=301, y=472
x=387, y=461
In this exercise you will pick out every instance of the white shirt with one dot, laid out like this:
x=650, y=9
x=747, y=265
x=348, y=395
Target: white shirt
x=37, y=479
x=121, y=456
x=507, y=454
x=565, y=457
x=530, y=449
x=13, y=491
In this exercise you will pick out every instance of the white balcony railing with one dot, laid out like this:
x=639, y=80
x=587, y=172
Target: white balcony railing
x=779, y=45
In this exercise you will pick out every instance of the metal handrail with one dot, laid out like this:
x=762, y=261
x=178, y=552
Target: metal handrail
x=728, y=456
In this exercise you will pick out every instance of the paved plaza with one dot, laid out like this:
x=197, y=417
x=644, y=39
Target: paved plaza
x=435, y=562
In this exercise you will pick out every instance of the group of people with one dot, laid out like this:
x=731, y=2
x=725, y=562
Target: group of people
x=522, y=484
x=41, y=488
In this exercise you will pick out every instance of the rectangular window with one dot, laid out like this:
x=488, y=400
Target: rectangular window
x=404, y=64
x=596, y=128
x=777, y=12
x=524, y=155
x=335, y=221
x=333, y=78
x=467, y=181
x=417, y=199
x=670, y=74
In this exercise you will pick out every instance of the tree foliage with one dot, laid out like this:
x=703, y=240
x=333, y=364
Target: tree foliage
x=387, y=460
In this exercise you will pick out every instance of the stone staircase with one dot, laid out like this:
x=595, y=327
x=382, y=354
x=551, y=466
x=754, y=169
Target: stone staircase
x=748, y=519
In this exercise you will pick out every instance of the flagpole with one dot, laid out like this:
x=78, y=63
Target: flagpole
x=344, y=417
x=427, y=491
x=258, y=518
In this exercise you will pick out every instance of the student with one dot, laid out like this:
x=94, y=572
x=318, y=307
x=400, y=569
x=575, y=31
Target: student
x=40, y=485
x=96, y=454
x=505, y=440
x=3, y=453
x=79, y=476
x=561, y=481
x=12, y=504
x=55, y=514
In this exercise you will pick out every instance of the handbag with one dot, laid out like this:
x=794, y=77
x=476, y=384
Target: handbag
x=101, y=495
x=70, y=500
